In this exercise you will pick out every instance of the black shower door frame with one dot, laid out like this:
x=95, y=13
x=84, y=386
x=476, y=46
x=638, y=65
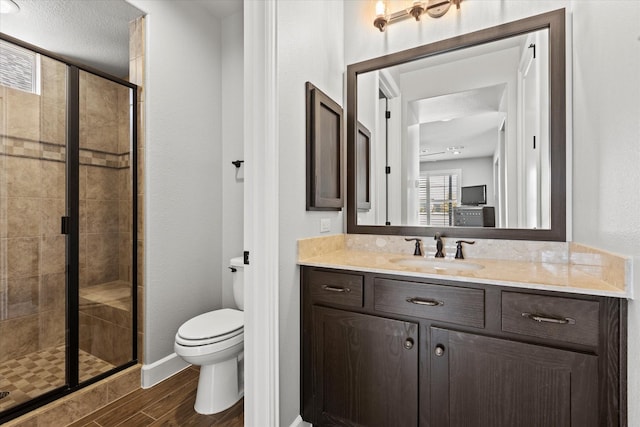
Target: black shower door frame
x=70, y=225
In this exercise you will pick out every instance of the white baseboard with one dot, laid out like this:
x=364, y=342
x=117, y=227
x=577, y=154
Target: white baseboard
x=162, y=369
x=298, y=422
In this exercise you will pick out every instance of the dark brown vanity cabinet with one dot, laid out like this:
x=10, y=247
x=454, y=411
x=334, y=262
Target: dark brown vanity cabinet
x=483, y=381
x=384, y=350
x=365, y=369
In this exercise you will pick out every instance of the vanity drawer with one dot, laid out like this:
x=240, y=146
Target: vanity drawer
x=557, y=318
x=462, y=306
x=336, y=288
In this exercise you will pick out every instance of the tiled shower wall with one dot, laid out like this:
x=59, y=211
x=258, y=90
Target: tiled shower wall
x=32, y=200
x=105, y=218
x=136, y=75
x=105, y=208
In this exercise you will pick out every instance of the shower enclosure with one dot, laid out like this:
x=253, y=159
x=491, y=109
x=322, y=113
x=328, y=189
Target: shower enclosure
x=67, y=226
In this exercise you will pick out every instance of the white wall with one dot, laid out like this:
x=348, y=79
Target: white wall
x=310, y=48
x=369, y=117
x=606, y=110
x=183, y=215
x=232, y=148
x=606, y=152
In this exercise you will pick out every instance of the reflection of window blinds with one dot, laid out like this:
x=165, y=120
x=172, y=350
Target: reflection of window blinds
x=438, y=195
x=18, y=68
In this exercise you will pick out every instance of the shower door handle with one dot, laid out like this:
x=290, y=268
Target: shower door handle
x=64, y=225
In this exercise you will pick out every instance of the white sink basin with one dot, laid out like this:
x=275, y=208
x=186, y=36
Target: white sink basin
x=438, y=264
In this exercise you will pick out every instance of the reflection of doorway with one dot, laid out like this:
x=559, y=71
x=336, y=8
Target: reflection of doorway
x=529, y=199
x=389, y=114
x=382, y=209
x=500, y=178
x=496, y=193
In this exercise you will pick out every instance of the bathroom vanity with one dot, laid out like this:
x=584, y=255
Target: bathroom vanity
x=396, y=350
x=528, y=329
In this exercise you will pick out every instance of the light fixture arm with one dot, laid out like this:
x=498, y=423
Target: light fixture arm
x=434, y=8
x=380, y=23
x=416, y=10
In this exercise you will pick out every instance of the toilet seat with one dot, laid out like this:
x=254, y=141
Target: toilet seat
x=212, y=327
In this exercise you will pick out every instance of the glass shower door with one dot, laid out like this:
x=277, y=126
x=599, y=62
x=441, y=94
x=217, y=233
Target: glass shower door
x=67, y=227
x=105, y=270
x=33, y=102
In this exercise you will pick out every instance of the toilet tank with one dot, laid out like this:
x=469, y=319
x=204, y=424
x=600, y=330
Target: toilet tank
x=237, y=264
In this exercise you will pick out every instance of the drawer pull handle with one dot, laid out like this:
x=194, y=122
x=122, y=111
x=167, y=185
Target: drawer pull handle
x=544, y=319
x=335, y=289
x=421, y=301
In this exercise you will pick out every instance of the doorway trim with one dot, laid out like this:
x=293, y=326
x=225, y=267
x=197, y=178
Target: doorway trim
x=261, y=215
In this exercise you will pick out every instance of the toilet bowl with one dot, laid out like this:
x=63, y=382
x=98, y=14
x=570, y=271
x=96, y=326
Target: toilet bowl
x=215, y=341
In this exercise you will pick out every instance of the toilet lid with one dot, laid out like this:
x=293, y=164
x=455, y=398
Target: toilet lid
x=213, y=324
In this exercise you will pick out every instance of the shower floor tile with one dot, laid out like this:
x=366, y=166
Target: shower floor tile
x=39, y=372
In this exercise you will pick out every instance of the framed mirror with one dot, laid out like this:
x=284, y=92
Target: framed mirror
x=466, y=136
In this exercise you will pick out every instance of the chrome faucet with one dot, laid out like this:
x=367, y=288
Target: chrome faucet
x=439, y=245
x=418, y=250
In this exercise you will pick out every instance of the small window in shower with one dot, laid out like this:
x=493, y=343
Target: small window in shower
x=19, y=68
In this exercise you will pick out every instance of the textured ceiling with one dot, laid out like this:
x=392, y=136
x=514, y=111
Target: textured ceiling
x=92, y=32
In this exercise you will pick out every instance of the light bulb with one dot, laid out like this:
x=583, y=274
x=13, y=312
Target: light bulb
x=380, y=8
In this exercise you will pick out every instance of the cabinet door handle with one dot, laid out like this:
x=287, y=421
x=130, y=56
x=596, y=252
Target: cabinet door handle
x=335, y=288
x=423, y=301
x=439, y=350
x=408, y=343
x=545, y=319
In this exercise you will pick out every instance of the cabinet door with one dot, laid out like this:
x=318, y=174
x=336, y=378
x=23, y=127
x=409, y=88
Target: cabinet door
x=480, y=381
x=365, y=370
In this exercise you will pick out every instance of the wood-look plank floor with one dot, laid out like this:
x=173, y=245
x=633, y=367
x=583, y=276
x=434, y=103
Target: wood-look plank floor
x=169, y=403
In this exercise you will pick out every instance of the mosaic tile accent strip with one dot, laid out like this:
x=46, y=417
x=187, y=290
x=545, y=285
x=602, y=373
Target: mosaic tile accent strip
x=42, y=150
x=32, y=149
x=99, y=158
x=42, y=371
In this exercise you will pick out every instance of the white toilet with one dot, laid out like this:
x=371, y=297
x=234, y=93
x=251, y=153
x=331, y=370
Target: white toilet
x=215, y=341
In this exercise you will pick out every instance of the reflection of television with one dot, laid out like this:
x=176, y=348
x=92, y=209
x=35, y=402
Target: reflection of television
x=474, y=195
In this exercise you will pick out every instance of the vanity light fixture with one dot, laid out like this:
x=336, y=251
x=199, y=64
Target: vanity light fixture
x=8, y=6
x=433, y=8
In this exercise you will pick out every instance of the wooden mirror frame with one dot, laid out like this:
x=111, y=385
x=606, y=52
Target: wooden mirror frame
x=554, y=21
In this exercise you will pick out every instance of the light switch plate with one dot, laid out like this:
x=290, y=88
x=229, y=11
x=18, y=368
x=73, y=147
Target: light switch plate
x=325, y=225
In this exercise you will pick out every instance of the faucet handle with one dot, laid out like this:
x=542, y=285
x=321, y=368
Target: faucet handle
x=459, y=247
x=418, y=250
x=439, y=245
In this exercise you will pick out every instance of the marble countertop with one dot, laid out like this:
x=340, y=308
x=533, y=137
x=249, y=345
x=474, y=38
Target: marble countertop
x=563, y=277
